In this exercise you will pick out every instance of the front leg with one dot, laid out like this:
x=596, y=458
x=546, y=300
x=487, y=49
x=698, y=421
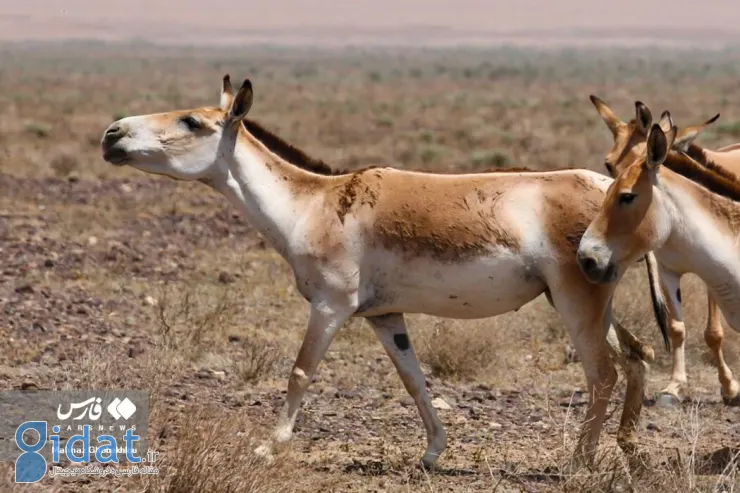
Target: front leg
x=392, y=333
x=325, y=320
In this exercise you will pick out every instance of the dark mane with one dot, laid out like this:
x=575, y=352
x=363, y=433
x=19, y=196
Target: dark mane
x=297, y=157
x=287, y=151
x=714, y=178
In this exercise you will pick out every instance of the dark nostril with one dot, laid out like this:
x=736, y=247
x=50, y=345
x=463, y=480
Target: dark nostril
x=589, y=264
x=113, y=130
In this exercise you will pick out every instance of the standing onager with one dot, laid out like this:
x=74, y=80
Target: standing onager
x=688, y=214
x=380, y=242
x=629, y=144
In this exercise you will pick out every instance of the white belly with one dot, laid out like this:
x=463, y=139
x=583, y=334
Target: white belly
x=478, y=288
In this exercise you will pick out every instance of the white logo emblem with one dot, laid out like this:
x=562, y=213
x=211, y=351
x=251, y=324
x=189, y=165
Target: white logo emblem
x=121, y=408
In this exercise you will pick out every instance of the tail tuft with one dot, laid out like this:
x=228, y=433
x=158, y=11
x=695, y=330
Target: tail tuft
x=656, y=294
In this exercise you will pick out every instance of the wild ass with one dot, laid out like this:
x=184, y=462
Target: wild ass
x=629, y=144
x=688, y=214
x=380, y=242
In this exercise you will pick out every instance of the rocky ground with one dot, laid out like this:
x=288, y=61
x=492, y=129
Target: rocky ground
x=95, y=272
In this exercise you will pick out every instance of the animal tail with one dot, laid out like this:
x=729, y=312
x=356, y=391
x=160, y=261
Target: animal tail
x=656, y=294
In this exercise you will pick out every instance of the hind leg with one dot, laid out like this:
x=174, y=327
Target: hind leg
x=713, y=336
x=670, y=285
x=392, y=333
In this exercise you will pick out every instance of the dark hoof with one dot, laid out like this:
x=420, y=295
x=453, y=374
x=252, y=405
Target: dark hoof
x=734, y=402
x=668, y=401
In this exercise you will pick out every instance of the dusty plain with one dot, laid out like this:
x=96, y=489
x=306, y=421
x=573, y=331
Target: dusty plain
x=113, y=278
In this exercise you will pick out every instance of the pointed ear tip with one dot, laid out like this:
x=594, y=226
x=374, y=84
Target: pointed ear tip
x=656, y=126
x=594, y=99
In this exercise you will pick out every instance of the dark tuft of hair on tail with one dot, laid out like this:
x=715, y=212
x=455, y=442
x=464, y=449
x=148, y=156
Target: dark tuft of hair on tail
x=659, y=306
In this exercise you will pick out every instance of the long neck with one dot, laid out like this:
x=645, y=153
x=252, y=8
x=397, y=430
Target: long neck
x=273, y=194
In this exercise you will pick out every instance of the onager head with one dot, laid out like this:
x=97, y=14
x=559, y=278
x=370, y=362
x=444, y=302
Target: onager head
x=630, y=137
x=184, y=144
x=630, y=222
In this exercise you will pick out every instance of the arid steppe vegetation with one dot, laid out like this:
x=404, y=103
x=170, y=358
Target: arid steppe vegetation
x=113, y=278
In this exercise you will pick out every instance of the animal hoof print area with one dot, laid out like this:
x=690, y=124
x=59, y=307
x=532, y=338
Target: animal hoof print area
x=668, y=401
x=264, y=453
x=731, y=401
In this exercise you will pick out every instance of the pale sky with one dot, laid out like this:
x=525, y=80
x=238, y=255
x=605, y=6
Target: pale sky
x=56, y=18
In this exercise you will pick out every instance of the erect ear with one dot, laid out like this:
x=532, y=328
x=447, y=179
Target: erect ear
x=686, y=136
x=242, y=102
x=657, y=146
x=643, y=117
x=227, y=94
x=665, y=122
x=612, y=121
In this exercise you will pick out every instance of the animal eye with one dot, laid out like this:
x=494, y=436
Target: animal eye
x=191, y=122
x=626, y=198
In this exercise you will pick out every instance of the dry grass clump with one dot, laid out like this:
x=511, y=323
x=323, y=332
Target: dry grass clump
x=214, y=454
x=464, y=351
x=454, y=353
x=192, y=318
x=259, y=360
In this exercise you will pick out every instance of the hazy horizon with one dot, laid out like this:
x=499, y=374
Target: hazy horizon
x=379, y=21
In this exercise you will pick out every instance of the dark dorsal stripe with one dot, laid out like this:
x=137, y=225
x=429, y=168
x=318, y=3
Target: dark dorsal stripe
x=714, y=178
x=697, y=154
x=286, y=151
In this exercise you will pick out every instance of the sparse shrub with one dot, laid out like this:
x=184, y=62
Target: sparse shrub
x=305, y=71
x=493, y=158
x=375, y=76
x=260, y=358
x=470, y=73
x=454, y=353
x=427, y=136
x=384, y=121
x=40, y=130
x=64, y=163
x=189, y=320
x=430, y=154
x=732, y=128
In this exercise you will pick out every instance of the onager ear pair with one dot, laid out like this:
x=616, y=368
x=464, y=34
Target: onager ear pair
x=644, y=121
x=643, y=117
x=659, y=143
x=237, y=106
